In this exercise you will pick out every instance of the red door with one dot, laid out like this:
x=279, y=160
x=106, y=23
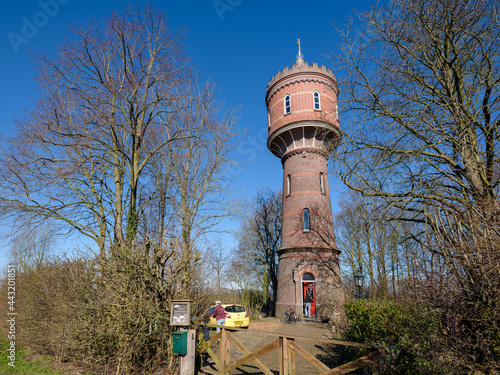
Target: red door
x=309, y=287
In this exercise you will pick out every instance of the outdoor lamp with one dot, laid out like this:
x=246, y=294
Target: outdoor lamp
x=359, y=279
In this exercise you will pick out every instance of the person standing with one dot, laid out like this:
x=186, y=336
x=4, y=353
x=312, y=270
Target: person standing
x=307, y=303
x=220, y=315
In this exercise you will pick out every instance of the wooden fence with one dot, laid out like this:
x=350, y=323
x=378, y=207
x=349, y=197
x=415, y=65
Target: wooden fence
x=287, y=348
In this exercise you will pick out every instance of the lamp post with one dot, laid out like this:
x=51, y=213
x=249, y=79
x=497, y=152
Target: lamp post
x=359, y=279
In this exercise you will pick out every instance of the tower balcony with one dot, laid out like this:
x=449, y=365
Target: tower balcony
x=314, y=135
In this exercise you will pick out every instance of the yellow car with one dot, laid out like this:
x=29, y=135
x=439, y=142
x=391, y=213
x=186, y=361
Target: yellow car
x=236, y=316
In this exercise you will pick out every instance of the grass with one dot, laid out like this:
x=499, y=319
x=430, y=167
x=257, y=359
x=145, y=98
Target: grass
x=22, y=366
x=28, y=367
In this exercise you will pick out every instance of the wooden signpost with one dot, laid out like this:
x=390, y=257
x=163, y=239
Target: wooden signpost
x=180, y=315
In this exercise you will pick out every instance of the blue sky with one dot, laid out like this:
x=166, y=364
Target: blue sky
x=238, y=44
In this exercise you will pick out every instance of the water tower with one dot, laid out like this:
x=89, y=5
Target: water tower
x=303, y=126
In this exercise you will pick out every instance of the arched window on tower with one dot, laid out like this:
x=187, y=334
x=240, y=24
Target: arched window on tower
x=322, y=183
x=288, y=104
x=288, y=185
x=317, y=103
x=306, y=220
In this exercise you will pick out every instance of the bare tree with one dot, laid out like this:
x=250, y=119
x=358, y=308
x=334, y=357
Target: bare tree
x=421, y=88
x=371, y=242
x=80, y=155
x=199, y=187
x=31, y=247
x=217, y=260
x=261, y=235
x=243, y=277
x=126, y=148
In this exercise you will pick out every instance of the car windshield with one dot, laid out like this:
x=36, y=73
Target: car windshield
x=235, y=309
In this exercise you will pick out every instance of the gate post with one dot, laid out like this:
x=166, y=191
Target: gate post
x=187, y=362
x=291, y=359
x=379, y=366
x=287, y=357
x=225, y=349
x=284, y=356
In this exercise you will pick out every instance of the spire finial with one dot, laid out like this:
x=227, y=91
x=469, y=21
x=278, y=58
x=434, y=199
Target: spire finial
x=300, y=57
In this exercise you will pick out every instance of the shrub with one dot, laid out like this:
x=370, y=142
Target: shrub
x=47, y=299
x=412, y=330
x=112, y=314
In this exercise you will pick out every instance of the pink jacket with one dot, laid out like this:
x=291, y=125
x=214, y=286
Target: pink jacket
x=219, y=312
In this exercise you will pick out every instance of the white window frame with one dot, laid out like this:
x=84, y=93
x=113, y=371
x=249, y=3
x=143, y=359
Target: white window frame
x=306, y=228
x=317, y=95
x=288, y=109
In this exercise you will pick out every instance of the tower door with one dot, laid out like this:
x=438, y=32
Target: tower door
x=308, y=289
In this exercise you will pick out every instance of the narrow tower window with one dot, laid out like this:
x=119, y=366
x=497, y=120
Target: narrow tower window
x=317, y=104
x=288, y=104
x=321, y=183
x=288, y=185
x=306, y=220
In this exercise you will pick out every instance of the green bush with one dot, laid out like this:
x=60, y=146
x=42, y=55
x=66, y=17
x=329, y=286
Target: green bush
x=412, y=330
x=111, y=314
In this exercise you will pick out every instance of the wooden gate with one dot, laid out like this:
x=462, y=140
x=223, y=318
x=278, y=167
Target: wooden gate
x=287, y=348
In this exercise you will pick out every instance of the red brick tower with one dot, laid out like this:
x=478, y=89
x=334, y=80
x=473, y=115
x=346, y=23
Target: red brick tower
x=303, y=125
